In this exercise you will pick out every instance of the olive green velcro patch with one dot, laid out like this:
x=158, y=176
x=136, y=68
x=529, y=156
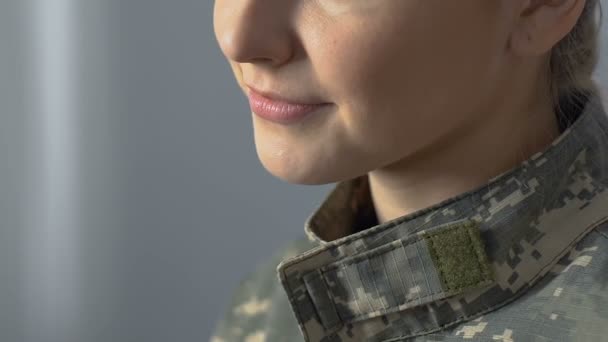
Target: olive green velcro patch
x=458, y=253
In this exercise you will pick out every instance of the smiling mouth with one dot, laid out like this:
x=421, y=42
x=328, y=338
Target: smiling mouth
x=280, y=111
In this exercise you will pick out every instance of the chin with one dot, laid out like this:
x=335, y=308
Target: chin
x=291, y=162
x=291, y=173
x=298, y=172
x=312, y=172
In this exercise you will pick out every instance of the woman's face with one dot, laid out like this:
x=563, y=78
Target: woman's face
x=402, y=76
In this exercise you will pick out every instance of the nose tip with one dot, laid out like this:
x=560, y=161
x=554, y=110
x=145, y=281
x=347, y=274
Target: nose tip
x=241, y=48
x=253, y=36
x=229, y=45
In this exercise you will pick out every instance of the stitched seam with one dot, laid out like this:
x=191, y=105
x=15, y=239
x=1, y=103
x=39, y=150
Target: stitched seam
x=426, y=276
x=369, y=303
x=378, y=251
x=400, y=277
x=355, y=318
x=411, y=277
x=350, y=286
x=388, y=281
x=333, y=302
x=601, y=233
x=482, y=260
x=369, y=261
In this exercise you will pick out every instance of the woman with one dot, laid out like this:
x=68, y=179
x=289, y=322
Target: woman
x=470, y=150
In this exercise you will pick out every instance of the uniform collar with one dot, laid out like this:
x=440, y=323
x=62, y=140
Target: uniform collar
x=452, y=261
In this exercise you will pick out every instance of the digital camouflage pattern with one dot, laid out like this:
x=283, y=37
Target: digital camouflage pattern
x=522, y=258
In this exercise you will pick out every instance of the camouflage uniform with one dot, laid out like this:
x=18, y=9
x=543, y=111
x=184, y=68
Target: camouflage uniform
x=521, y=258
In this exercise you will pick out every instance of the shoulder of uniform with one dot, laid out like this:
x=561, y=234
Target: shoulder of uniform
x=256, y=295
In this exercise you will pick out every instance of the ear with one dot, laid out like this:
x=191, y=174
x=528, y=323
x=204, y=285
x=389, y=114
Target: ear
x=543, y=23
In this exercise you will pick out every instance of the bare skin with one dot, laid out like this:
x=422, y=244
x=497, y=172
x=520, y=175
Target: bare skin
x=430, y=98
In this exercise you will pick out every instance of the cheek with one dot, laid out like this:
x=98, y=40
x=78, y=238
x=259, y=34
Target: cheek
x=385, y=66
x=395, y=84
x=377, y=77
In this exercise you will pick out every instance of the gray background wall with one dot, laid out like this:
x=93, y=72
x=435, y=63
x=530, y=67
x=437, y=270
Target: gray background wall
x=131, y=198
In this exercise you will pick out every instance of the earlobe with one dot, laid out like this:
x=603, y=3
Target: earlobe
x=543, y=23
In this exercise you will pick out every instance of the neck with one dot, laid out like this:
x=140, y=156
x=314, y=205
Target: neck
x=467, y=159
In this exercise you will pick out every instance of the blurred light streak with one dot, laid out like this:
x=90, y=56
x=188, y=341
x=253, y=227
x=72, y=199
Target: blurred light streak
x=51, y=255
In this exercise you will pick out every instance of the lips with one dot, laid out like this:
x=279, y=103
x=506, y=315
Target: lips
x=285, y=99
x=280, y=110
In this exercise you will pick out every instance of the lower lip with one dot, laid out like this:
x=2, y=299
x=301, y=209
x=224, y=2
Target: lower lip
x=281, y=112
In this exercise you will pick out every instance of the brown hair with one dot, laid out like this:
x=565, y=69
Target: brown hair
x=573, y=61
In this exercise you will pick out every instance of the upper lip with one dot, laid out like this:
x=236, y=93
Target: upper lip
x=287, y=99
